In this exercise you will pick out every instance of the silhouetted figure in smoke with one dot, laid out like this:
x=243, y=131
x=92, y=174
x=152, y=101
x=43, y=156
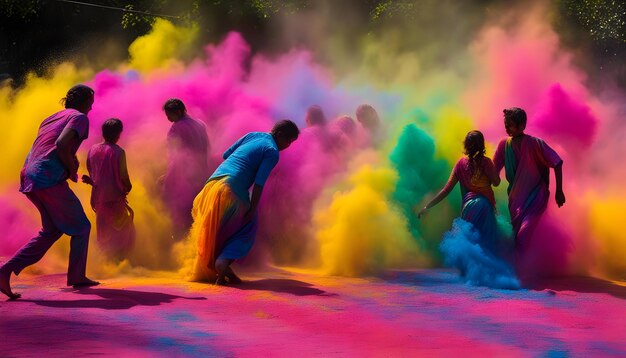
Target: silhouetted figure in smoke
x=43, y=179
x=315, y=116
x=367, y=116
x=526, y=160
x=108, y=174
x=187, y=168
x=344, y=136
x=346, y=125
x=316, y=129
x=224, y=213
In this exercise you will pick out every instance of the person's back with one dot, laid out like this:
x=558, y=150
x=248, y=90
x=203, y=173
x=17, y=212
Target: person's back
x=188, y=136
x=103, y=164
x=480, y=182
x=108, y=174
x=43, y=168
x=248, y=161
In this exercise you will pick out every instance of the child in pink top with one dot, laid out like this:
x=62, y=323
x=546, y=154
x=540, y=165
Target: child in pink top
x=108, y=175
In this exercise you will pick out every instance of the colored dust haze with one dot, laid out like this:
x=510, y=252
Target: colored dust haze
x=342, y=198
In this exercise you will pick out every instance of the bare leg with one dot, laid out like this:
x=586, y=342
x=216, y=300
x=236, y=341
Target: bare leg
x=5, y=284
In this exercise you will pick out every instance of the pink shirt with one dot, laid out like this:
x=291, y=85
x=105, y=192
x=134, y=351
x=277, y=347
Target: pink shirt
x=106, y=163
x=43, y=168
x=534, y=158
x=480, y=184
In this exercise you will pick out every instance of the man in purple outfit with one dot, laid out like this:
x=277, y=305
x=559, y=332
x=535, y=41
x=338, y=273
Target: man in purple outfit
x=527, y=161
x=43, y=179
x=187, y=168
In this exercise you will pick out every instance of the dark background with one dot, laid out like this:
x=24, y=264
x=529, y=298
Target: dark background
x=36, y=34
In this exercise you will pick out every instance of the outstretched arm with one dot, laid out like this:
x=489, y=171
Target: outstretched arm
x=558, y=174
x=441, y=195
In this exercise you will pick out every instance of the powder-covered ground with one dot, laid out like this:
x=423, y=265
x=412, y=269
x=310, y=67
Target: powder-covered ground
x=282, y=313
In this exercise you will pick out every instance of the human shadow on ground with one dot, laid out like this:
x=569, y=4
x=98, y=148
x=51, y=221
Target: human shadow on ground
x=581, y=284
x=447, y=277
x=422, y=278
x=113, y=299
x=293, y=287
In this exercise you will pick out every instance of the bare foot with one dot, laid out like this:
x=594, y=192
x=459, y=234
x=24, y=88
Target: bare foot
x=220, y=281
x=5, y=284
x=86, y=283
x=232, y=278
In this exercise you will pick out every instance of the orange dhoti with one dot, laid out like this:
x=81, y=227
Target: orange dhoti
x=218, y=228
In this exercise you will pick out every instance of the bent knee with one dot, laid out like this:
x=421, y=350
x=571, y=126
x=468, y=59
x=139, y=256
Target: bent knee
x=81, y=228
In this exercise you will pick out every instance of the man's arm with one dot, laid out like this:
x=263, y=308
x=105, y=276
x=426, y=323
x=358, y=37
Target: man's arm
x=257, y=190
x=551, y=158
x=124, y=173
x=559, y=196
x=66, y=145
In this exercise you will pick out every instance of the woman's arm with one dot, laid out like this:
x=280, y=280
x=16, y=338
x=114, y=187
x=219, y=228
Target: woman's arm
x=441, y=195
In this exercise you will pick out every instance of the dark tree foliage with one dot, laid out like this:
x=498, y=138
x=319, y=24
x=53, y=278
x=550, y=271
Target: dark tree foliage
x=35, y=34
x=596, y=28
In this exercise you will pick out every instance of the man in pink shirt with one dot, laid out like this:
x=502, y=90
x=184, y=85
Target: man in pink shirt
x=43, y=179
x=526, y=160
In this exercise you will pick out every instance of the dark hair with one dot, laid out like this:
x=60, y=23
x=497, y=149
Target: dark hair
x=174, y=104
x=316, y=115
x=286, y=128
x=362, y=110
x=77, y=96
x=346, y=124
x=111, y=129
x=517, y=115
x=475, y=150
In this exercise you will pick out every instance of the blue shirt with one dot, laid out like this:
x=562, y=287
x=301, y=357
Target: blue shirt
x=249, y=161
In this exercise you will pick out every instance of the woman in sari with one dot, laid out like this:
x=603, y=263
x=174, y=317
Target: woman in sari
x=471, y=244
